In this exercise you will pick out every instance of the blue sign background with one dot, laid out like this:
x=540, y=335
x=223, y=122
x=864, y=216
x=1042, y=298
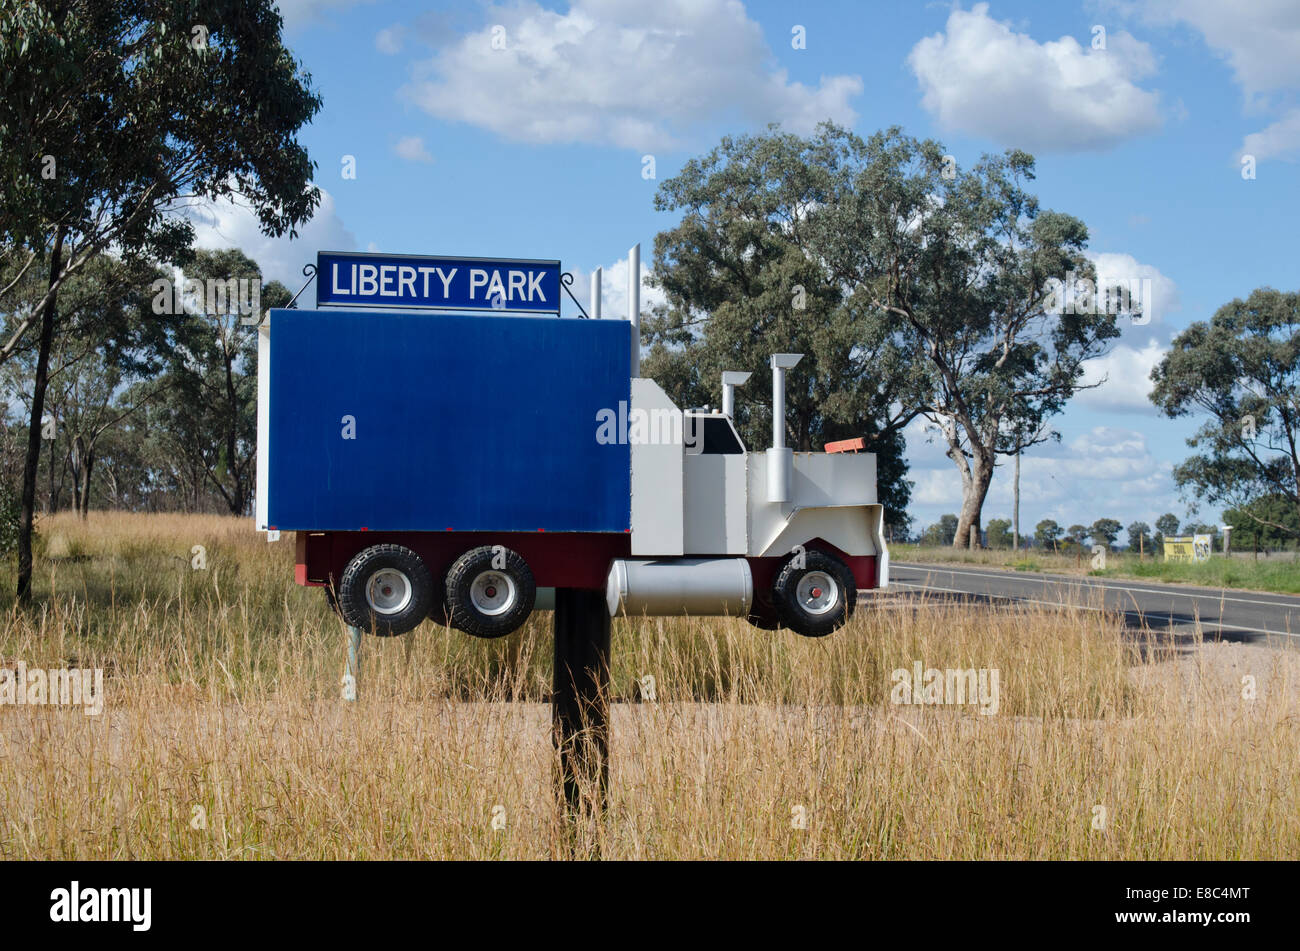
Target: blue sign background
x=439, y=283
x=462, y=423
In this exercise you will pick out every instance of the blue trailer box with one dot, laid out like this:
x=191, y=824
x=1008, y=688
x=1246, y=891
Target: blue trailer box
x=463, y=423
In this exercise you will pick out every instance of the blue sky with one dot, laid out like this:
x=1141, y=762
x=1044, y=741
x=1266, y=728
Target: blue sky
x=536, y=148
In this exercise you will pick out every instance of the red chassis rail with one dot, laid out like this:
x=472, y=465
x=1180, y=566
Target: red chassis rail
x=557, y=559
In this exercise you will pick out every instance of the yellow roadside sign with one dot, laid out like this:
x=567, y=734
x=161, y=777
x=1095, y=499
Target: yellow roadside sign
x=1188, y=547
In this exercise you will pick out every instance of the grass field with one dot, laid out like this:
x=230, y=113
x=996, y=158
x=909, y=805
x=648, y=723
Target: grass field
x=223, y=735
x=1279, y=572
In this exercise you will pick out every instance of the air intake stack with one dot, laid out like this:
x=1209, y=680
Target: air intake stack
x=730, y=380
x=780, y=460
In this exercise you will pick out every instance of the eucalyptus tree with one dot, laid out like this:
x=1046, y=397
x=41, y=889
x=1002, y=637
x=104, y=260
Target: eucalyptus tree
x=1241, y=372
x=208, y=416
x=114, y=114
x=993, y=297
x=742, y=280
x=916, y=286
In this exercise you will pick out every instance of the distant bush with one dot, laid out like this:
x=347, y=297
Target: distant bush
x=11, y=504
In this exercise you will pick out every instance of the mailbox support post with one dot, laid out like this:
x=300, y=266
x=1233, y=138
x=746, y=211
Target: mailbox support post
x=352, y=672
x=580, y=699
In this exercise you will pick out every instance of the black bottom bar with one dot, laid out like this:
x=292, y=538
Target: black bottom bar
x=1226, y=905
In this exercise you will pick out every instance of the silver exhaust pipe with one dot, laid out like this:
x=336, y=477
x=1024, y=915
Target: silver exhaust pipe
x=780, y=460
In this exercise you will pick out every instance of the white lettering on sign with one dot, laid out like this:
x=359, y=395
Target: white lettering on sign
x=367, y=282
x=477, y=278
x=417, y=282
x=426, y=271
x=535, y=283
x=446, y=280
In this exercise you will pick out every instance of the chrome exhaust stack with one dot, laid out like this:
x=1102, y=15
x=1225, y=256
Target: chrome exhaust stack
x=780, y=460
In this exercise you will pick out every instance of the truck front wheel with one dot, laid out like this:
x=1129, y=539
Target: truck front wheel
x=386, y=589
x=814, y=594
x=490, y=592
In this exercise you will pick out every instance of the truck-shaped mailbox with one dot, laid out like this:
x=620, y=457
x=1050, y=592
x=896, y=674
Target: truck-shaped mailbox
x=448, y=465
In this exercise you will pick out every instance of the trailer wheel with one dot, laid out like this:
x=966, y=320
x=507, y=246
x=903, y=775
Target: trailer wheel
x=815, y=598
x=490, y=592
x=386, y=589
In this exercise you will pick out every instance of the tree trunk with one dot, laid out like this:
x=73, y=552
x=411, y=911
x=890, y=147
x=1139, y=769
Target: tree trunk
x=974, y=491
x=83, y=497
x=52, y=495
x=27, y=516
x=237, y=499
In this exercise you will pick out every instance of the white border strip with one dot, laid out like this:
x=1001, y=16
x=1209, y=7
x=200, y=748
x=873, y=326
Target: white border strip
x=263, y=422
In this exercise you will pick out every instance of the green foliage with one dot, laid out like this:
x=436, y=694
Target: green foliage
x=957, y=264
x=941, y=532
x=1139, y=534
x=743, y=282
x=1265, y=523
x=135, y=114
x=1104, y=531
x=10, y=510
x=207, y=421
x=1166, y=524
x=1046, y=533
x=999, y=533
x=1242, y=371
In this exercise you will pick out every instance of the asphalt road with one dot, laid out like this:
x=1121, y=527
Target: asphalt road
x=1225, y=614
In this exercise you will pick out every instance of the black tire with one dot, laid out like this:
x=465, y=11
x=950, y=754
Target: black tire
x=490, y=592
x=815, y=598
x=386, y=590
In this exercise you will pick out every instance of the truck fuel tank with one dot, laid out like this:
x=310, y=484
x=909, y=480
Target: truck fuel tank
x=677, y=586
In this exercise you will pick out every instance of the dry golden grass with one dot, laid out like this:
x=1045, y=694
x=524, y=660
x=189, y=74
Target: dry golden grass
x=222, y=704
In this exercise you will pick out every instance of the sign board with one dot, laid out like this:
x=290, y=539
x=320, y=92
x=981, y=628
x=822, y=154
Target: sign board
x=507, y=286
x=1188, y=547
x=458, y=422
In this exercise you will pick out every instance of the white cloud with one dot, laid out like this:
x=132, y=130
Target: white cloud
x=1260, y=40
x=389, y=40
x=925, y=444
x=613, y=288
x=630, y=75
x=1122, y=378
x=227, y=224
x=981, y=78
x=1106, y=472
x=412, y=149
x=1159, y=293
x=938, y=487
x=1279, y=140
x=1108, y=442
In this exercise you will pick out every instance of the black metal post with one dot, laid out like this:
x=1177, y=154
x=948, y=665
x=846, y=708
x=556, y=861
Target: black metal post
x=580, y=701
